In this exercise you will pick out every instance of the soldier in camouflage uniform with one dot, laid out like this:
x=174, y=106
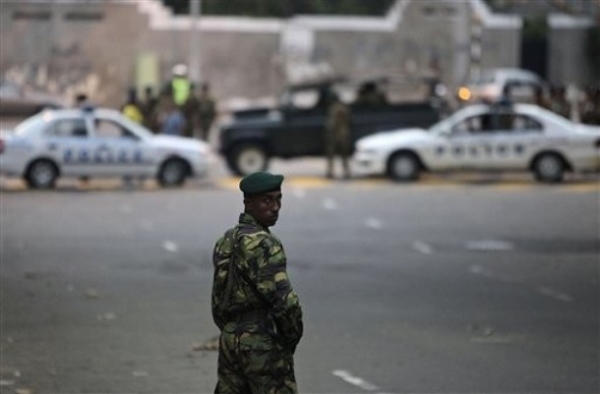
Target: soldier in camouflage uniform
x=207, y=111
x=253, y=303
x=337, y=135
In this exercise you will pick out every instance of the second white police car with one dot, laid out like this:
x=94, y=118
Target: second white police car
x=518, y=137
x=97, y=142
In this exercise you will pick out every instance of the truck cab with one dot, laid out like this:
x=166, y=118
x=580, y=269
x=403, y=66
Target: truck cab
x=296, y=126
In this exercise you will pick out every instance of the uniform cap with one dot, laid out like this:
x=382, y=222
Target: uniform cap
x=260, y=182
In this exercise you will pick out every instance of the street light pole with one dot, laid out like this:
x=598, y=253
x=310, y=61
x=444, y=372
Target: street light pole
x=195, y=63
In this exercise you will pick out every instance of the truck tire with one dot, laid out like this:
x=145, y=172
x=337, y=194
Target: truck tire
x=248, y=158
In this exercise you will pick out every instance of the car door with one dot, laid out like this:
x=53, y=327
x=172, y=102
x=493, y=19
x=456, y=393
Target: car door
x=117, y=151
x=67, y=141
x=301, y=134
x=515, y=140
x=467, y=145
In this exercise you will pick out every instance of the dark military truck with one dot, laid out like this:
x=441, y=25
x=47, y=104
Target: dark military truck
x=296, y=127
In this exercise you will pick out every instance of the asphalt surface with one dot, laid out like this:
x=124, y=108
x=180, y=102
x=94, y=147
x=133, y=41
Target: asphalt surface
x=474, y=284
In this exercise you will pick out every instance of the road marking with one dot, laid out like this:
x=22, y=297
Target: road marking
x=544, y=290
x=581, y=188
x=492, y=340
x=557, y=295
x=330, y=204
x=478, y=270
x=308, y=182
x=422, y=247
x=374, y=223
x=490, y=245
x=170, y=246
x=354, y=380
x=116, y=183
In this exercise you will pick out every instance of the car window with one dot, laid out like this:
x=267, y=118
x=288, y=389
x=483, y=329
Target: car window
x=523, y=122
x=65, y=128
x=478, y=124
x=106, y=128
x=511, y=122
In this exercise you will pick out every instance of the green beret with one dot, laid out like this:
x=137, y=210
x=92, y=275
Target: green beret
x=260, y=182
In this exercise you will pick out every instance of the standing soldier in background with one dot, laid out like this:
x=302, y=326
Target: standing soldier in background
x=190, y=110
x=253, y=303
x=206, y=111
x=337, y=135
x=558, y=101
x=590, y=108
x=540, y=99
x=149, y=106
x=81, y=100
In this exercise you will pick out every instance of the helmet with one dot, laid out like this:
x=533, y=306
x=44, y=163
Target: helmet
x=180, y=70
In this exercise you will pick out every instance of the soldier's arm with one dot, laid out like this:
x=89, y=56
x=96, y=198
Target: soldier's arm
x=221, y=258
x=272, y=282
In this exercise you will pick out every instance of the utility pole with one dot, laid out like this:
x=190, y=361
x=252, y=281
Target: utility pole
x=195, y=41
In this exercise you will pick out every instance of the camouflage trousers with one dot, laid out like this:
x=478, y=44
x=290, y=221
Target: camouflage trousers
x=247, y=370
x=339, y=149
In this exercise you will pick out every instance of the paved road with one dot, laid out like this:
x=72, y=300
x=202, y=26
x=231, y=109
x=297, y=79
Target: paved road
x=447, y=286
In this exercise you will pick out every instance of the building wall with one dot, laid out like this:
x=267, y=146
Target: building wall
x=99, y=57
x=240, y=57
x=567, y=58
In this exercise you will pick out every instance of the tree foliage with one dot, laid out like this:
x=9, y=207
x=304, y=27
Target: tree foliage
x=284, y=8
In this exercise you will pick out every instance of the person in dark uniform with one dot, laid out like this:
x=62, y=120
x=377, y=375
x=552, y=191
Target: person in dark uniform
x=149, y=107
x=207, y=111
x=253, y=303
x=337, y=135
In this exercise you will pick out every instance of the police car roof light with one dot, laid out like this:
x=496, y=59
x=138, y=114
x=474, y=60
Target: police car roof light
x=88, y=108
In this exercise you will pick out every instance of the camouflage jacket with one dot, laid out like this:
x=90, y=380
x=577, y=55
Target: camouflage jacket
x=252, y=295
x=338, y=123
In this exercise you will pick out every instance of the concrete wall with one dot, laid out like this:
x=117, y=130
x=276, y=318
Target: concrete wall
x=241, y=57
x=567, y=58
x=99, y=57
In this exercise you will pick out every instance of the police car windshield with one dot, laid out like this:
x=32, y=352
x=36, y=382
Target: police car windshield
x=445, y=125
x=30, y=125
x=139, y=130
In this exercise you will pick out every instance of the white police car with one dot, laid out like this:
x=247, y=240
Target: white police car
x=519, y=137
x=97, y=142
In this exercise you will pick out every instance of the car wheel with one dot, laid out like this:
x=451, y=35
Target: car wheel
x=404, y=167
x=173, y=173
x=249, y=158
x=549, y=168
x=41, y=174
